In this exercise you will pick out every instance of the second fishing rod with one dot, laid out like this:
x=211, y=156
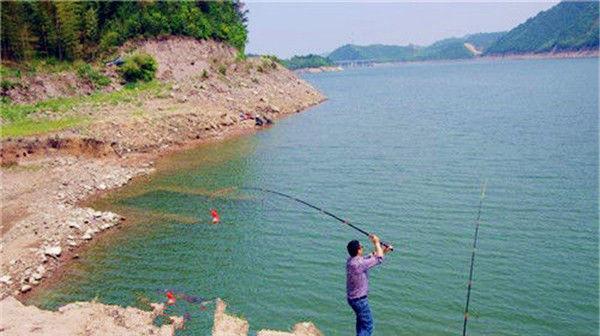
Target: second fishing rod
x=343, y=221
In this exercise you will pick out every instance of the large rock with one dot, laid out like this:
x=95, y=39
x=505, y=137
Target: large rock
x=53, y=251
x=300, y=329
x=81, y=318
x=227, y=325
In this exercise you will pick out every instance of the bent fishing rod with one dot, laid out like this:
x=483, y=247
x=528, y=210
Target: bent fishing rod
x=343, y=221
x=473, y=258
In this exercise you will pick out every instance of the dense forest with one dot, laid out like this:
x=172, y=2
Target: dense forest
x=70, y=30
x=568, y=26
x=308, y=61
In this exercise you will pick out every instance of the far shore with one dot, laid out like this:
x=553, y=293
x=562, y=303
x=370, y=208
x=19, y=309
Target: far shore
x=529, y=56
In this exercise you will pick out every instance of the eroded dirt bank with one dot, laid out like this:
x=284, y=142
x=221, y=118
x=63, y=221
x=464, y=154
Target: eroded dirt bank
x=205, y=94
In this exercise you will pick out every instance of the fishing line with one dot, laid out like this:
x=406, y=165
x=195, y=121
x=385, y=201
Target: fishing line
x=318, y=209
x=469, y=285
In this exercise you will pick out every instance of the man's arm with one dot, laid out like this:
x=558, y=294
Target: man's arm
x=376, y=257
x=377, y=243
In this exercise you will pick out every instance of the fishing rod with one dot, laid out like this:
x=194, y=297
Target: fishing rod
x=318, y=209
x=473, y=258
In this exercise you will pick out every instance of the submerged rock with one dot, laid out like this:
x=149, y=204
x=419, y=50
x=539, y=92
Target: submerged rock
x=227, y=325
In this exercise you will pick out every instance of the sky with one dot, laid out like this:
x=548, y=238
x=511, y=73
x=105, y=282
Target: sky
x=298, y=28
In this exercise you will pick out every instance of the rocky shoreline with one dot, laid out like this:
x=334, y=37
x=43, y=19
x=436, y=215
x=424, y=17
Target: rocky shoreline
x=42, y=219
x=84, y=318
x=334, y=68
x=46, y=178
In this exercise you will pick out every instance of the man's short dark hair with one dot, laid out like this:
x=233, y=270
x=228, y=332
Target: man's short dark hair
x=353, y=247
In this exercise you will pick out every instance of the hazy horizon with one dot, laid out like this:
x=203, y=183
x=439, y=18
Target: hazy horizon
x=297, y=28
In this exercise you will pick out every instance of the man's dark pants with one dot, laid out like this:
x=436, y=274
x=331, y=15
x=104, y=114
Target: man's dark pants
x=364, y=320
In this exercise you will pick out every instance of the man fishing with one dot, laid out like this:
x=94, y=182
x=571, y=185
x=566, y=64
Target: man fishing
x=357, y=267
x=357, y=281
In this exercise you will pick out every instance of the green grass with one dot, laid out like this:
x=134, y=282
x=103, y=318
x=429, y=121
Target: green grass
x=32, y=127
x=6, y=71
x=17, y=121
x=33, y=66
x=18, y=112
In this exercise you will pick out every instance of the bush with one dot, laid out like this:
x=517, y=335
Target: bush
x=273, y=58
x=269, y=62
x=6, y=85
x=139, y=67
x=108, y=41
x=222, y=69
x=85, y=71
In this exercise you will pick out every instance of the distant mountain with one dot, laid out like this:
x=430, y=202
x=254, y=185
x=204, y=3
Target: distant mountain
x=568, y=26
x=375, y=52
x=453, y=48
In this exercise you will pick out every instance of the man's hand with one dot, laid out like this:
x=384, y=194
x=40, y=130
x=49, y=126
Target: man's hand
x=387, y=249
x=378, y=250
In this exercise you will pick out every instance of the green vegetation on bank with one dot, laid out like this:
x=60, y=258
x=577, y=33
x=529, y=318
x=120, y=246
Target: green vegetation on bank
x=71, y=30
x=19, y=121
x=308, y=61
x=79, y=36
x=31, y=127
x=138, y=67
x=86, y=71
x=568, y=26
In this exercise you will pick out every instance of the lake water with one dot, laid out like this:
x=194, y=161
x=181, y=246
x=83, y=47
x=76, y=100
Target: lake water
x=402, y=150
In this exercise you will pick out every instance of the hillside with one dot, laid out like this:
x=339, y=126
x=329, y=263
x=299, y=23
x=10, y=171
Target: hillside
x=568, y=26
x=375, y=52
x=71, y=30
x=483, y=41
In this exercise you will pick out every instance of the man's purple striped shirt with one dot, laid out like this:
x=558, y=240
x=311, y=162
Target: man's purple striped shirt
x=357, y=275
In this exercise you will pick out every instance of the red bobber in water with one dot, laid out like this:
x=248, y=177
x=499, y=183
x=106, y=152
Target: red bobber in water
x=171, y=299
x=215, y=216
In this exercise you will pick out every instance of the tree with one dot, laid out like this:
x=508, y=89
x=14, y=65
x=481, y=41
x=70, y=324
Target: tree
x=66, y=23
x=70, y=30
x=89, y=31
x=16, y=39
